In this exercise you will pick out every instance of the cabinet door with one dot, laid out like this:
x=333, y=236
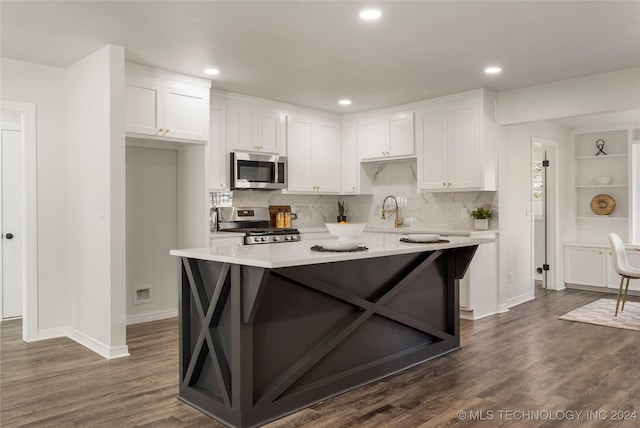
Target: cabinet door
x=400, y=130
x=585, y=266
x=218, y=157
x=271, y=131
x=141, y=109
x=243, y=123
x=185, y=113
x=463, y=145
x=326, y=157
x=374, y=142
x=432, y=150
x=350, y=162
x=299, y=154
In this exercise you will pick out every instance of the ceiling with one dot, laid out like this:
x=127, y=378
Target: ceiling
x=312, y=53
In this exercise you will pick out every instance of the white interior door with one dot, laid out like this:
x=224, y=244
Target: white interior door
x=12, y=219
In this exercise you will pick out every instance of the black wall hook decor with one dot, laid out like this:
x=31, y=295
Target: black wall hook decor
x=600, y=146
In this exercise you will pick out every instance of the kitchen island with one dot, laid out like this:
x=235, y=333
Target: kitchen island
x=266, y=330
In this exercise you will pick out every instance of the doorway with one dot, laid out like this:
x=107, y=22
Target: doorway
x=544, y=216
x=18, y=216
x=11, y=215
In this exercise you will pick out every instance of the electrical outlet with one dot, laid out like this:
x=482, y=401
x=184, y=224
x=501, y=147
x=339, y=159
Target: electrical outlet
x=510, y=277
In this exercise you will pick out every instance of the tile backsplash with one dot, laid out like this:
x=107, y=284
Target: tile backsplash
x=447, y=210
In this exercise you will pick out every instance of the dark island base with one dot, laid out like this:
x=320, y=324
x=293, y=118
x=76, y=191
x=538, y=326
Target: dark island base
x=279, y=340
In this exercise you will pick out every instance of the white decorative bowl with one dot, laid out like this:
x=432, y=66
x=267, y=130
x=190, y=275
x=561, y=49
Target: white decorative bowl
x=603, y=181
x=345, y=231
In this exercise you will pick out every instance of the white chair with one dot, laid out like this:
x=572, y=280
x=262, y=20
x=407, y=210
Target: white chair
x=622, y=267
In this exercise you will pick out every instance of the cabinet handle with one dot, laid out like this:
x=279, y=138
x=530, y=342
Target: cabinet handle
x=160, y=131
x=448, y=184
x=444, y=183
x=353, y=188
x=166, y=131
x=599, y=252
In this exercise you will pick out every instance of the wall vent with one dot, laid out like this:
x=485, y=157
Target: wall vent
x=142, y=295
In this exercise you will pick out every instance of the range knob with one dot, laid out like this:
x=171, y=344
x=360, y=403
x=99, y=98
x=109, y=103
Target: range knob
x=276, y=238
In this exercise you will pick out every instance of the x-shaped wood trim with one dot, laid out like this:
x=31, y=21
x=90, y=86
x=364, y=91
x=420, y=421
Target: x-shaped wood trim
x=347, y=326
x=208, y=320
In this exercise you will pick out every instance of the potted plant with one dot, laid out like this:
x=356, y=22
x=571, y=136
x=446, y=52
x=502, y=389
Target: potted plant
x=342, y=212
x=482, y=216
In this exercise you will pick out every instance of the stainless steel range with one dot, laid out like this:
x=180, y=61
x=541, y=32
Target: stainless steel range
x=254, y=222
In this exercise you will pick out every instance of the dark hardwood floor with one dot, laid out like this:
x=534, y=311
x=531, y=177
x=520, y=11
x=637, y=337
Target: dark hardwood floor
x=524, y=360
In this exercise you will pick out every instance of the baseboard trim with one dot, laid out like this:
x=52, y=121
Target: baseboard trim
x=50, y=333
x=109, y=352
x=152, y=316
x=469, y=315
x=501, y=309
x=515, y=301
x=599, y=289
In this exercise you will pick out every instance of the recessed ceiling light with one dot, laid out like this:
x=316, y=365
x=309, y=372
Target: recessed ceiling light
x=370, y=14
x=344, y=102
x=211, y=71
x=492, y=70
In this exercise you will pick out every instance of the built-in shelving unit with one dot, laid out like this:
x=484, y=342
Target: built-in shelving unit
x=590, y=164
x=588, y=261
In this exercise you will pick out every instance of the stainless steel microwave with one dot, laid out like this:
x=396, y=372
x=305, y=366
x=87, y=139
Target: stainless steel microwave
x=261, y=171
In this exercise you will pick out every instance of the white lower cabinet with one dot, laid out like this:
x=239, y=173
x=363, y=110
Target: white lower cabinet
x=313, y=155
x=479, y=286
x=592, y=265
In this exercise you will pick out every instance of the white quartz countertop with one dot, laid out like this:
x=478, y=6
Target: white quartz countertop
x=300, y=253
x=368, y=231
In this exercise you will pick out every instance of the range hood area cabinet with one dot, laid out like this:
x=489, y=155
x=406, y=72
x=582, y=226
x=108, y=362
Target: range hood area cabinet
x=386, y=137
x=457, y=144
x=161, y=105
x=313, y=155
x=255, y=127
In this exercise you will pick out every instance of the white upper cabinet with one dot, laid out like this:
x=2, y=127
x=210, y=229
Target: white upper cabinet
x=257, y=128
x=350, y=164
x=313, y=154
x=218, y=157
x=456, y=145
x=165, y=105
x=387, y=136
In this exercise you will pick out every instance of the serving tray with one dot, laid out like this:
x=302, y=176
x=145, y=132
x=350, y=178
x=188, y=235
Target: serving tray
x=321, y=249
x=439, y=241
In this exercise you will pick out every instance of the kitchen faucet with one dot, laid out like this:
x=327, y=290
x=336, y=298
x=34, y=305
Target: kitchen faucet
x=398, y=220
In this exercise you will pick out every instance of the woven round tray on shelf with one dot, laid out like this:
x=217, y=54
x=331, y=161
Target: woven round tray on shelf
x=603, y=204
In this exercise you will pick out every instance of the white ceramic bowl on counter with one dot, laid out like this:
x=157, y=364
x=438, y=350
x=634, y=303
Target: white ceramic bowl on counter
x=345, y=231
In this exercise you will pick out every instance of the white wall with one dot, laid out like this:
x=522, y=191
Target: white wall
x=152, y=230
x=95, y=168
x=616, y=90
x=516, y=205
x=44, y=87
